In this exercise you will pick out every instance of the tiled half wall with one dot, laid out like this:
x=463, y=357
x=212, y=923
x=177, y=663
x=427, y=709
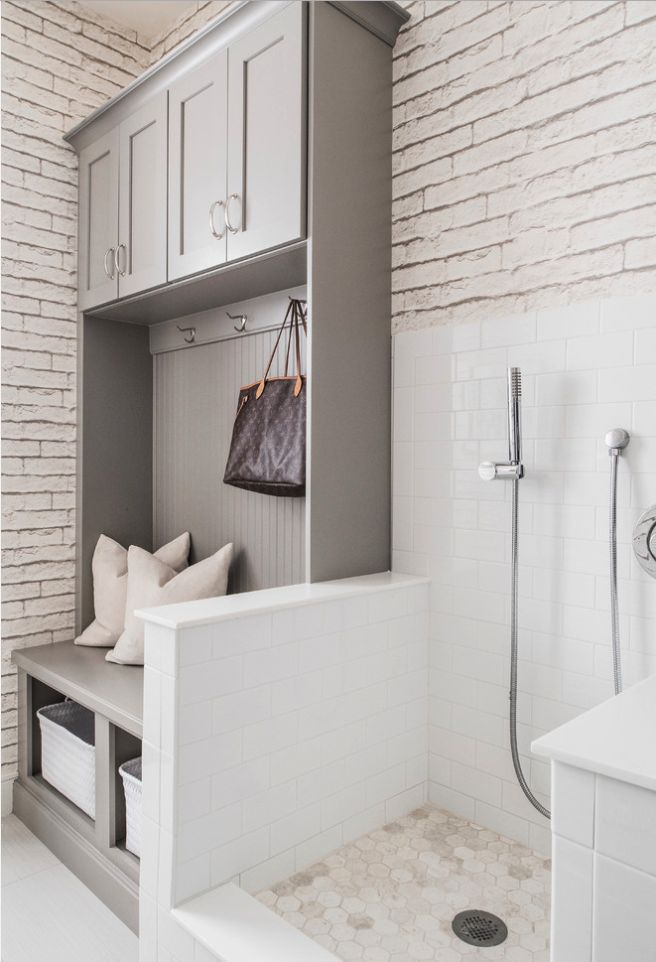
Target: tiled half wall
x=273, y=736
x=586, y=368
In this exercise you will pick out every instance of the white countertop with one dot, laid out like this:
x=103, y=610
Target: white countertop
x=617, y=738
x=189, y=613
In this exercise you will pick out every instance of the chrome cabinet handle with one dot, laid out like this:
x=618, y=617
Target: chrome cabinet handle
x=217, y=203
x=117, y=260
x=108, y=252
x=226, y=214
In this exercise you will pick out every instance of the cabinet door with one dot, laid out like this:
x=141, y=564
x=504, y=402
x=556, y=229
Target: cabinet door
x=198, y=112
x=142, y=198
x=266, y=135
x=98, y=281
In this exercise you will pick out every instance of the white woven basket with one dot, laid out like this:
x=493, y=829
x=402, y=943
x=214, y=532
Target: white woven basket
x=130, y=772
x=68, y=753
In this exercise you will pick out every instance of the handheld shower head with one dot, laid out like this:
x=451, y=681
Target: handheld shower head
x=513, y=470
x=514, y=415
x=514, y=383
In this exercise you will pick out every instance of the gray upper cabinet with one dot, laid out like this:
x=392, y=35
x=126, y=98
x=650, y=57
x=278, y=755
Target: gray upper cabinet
x=141, y=251
x=210, y=170
x=265, y=205
x=123, y=208
x=198, y=116
x=98, y=277
x=237, y=149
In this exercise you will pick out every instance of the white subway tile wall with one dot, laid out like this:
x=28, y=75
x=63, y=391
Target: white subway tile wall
x=572, y=901
x=257, y=764
x=454, y=528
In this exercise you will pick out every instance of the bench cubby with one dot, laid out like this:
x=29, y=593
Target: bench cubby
x=92, y=848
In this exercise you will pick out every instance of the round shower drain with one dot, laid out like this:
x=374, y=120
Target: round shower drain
x=477, y=927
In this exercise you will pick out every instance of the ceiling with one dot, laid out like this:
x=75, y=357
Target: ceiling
x=147, y=17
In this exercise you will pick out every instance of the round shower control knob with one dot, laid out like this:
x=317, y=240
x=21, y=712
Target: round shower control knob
x=644, y=541
x=487, y=470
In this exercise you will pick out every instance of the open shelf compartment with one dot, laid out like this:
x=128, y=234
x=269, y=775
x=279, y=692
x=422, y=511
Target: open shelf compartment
x=93, y=849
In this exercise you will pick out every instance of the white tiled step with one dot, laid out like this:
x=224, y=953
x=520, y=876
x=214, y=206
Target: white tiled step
x=234, y=927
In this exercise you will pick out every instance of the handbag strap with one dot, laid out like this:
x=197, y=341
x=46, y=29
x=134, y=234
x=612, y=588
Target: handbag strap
x=303, y=314
x=289, y=340
x=298, y=387
x=292, y=314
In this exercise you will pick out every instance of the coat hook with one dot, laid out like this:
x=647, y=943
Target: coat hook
x=190, y=330
x=242, y=318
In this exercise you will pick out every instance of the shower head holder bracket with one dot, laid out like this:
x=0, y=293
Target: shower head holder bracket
x=616, y=440
x=501, y=471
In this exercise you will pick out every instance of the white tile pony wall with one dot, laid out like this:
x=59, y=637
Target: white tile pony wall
x=272, y=738
x=604, y=878
x=586, y=368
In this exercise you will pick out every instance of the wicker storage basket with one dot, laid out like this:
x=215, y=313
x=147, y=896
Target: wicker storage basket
x=131, y=774
x=68, y=753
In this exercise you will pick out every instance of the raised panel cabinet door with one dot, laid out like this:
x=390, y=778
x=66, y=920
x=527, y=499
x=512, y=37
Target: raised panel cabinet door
x=198, y=113
x=98, y=280
x=266, y=135
x=142, y=221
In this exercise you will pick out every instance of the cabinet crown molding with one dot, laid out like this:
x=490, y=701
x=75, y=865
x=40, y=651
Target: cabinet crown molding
x=383, y=18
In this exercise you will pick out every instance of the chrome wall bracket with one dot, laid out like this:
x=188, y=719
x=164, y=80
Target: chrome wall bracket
x=500, y=471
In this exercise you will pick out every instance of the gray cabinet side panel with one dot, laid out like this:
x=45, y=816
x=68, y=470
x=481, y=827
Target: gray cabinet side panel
x=196, y=392
x=117, y=427
x=350, y=297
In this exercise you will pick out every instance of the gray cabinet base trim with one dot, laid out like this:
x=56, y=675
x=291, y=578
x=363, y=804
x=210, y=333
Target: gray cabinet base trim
x=261, y=274
x=105, y=880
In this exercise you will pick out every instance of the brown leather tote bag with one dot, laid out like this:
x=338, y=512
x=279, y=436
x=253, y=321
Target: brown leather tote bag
x=267, y=451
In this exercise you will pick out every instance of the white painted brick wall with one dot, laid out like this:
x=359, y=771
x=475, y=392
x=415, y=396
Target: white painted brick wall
x=195, y=18
x=60, y=62
x=524, y=156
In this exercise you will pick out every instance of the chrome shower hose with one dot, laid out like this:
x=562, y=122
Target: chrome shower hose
x=513, y=657
x=612, y=541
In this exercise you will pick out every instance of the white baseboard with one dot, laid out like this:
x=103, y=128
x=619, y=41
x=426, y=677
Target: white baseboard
x=7, y=796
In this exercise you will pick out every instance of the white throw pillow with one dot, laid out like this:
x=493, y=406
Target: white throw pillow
x=110, y=585
x=151, y=583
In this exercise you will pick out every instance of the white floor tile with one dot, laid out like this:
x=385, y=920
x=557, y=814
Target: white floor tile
x=22, y=853
x=47, y=913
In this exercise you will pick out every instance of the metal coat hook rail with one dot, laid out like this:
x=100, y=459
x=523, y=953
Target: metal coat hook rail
x=242, y=318
x=191, y=331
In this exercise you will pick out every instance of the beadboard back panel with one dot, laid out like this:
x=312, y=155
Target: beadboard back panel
x=196, y=392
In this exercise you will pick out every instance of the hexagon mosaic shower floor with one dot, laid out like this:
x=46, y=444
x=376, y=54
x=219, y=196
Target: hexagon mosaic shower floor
x=391, y=895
